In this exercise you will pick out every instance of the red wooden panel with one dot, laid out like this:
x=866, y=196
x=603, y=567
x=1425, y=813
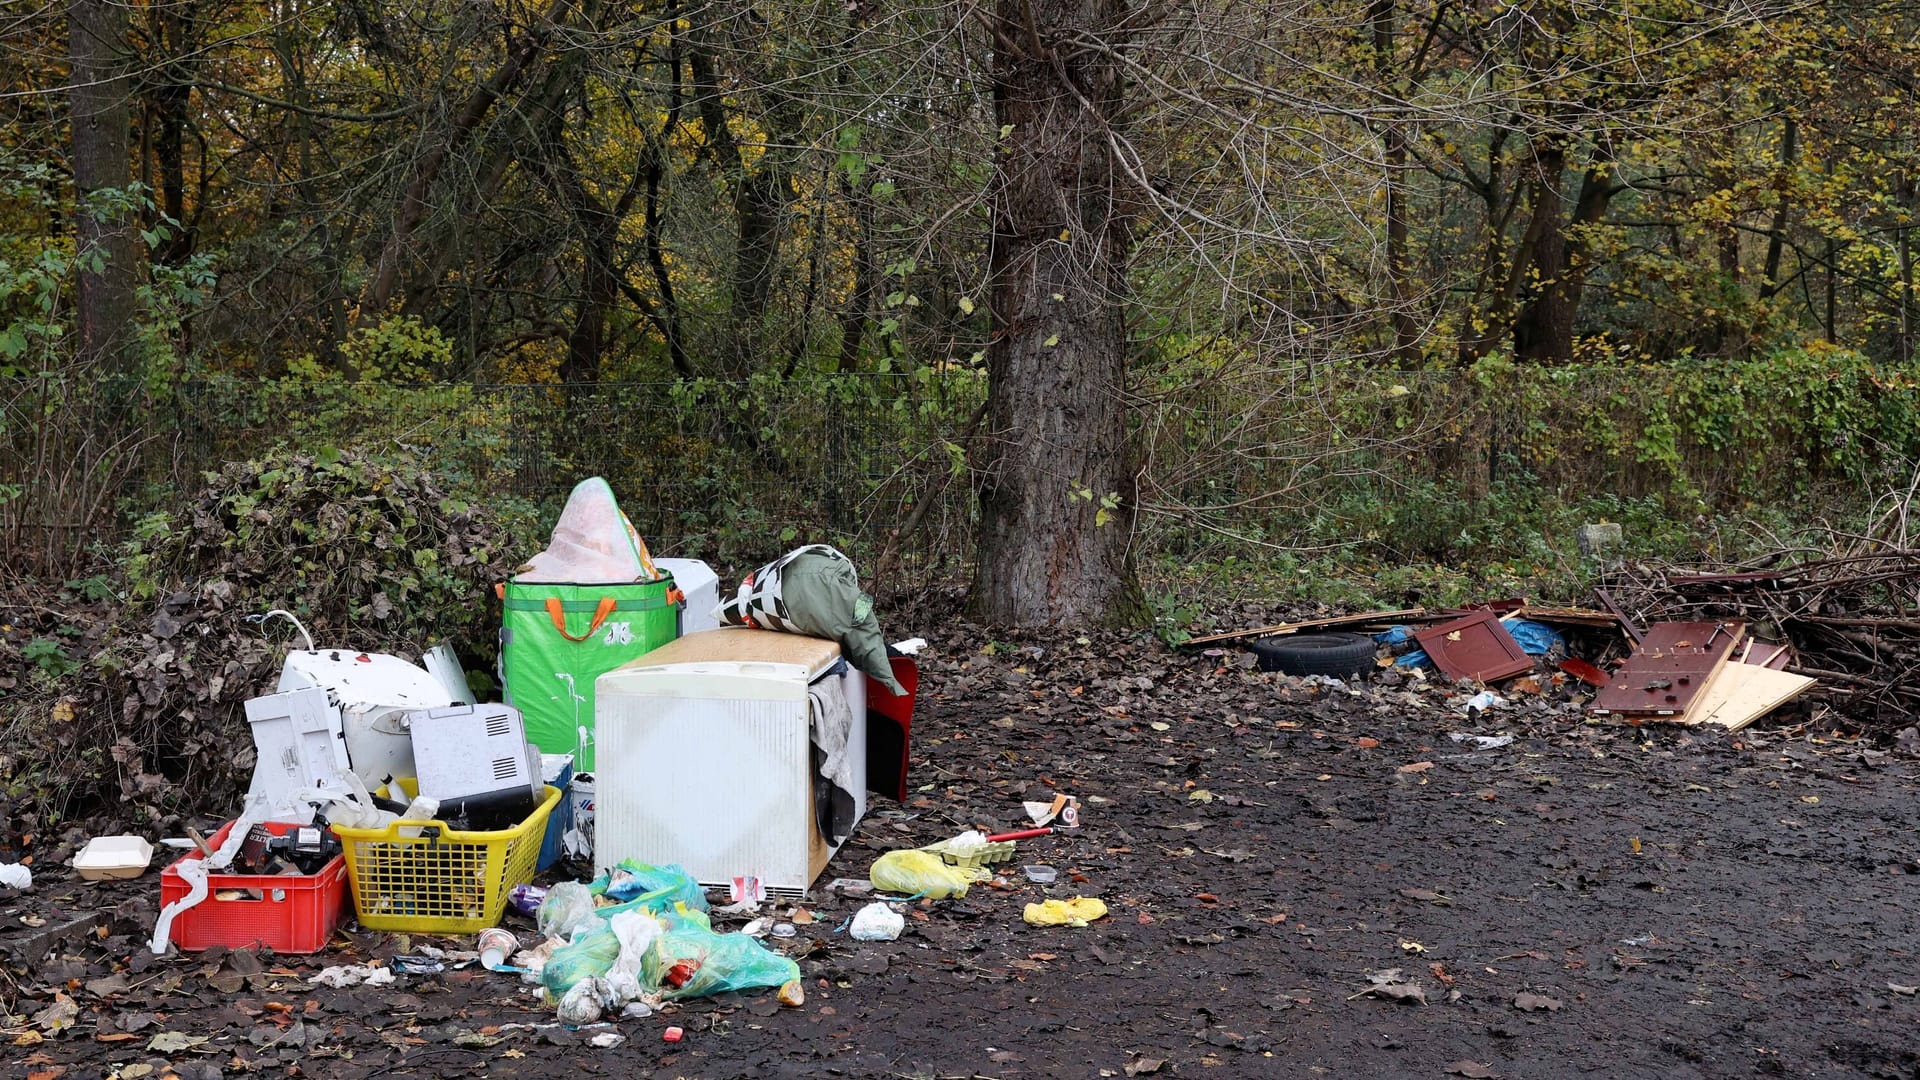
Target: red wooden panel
x=1474, y=647
x=1669, y=669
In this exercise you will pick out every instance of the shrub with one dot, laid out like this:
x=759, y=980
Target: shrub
x=369, y=552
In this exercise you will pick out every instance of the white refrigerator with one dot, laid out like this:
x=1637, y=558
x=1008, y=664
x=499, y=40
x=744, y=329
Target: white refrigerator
x=705, y=755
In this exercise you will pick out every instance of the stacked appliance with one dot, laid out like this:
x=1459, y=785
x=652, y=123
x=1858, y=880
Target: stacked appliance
x=712, y=736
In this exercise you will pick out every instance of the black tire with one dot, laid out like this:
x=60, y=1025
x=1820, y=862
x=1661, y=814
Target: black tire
x=1316, y=654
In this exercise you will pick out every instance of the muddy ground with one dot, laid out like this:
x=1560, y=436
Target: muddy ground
x=1583, y=901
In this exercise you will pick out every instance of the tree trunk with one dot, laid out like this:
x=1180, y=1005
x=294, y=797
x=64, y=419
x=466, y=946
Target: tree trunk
x=414, y=204
x=167, y=106
x=1056, y=499
x=859, y=309
x=1558, y=274
x=1406, y=329
x=97, y=43
x=1544, y=330
x=761, y=192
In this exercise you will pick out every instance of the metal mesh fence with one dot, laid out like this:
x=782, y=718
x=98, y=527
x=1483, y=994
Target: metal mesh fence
x=875, y=464
x=730, y=472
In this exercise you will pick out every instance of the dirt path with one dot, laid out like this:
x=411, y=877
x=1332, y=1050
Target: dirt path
x=1670, y=907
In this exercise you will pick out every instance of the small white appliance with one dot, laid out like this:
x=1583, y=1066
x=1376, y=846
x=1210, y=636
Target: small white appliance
x=374, y=693
x=701, y=587
x=475, y=754
x=298, y=744
x=706, y=746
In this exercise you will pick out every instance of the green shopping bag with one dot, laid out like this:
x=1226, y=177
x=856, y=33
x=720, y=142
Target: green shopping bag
x=556, y=639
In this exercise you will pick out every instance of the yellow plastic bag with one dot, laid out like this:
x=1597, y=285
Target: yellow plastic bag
x=922, y=873
x=1078, y=911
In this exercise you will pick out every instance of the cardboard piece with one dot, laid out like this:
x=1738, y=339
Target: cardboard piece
x=737, y=643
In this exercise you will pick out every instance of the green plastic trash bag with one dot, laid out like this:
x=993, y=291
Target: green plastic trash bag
x=697, y=963
x=654, y=888
x=589, y=956
x=814, y=590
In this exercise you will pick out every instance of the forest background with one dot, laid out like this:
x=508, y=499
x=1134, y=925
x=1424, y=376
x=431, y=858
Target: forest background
x=1111, y=308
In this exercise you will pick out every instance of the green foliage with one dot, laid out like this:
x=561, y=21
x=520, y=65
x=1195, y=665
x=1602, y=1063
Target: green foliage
x=47, y=654
x=399, y=349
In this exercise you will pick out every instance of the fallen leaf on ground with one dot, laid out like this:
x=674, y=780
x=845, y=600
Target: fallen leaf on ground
x=172, y=1042
x=1416, y=767
x=1143, y=1066
x=1402, y=992
x=1365, y=743
x=1200, y=795
x=1907, y=990
x=1535, y=1002
x=58, y=1016
x=1473, y=1069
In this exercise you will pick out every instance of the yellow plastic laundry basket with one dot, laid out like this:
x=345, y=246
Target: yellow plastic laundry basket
x=441, y=880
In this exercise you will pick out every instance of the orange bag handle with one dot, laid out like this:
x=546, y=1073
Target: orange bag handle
x=559, y=617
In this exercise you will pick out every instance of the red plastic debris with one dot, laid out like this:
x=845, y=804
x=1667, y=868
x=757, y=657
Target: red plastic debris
x=672, y=1034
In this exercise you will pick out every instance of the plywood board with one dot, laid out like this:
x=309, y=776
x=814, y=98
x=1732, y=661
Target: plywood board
x=1669, y=670
x=1474, y=647
x=737, y=643
x=1742, y=693
x=1363, y=619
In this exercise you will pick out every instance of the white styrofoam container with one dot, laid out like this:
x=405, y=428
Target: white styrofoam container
x=708, y=764
x=702, y=588
x=107, y=857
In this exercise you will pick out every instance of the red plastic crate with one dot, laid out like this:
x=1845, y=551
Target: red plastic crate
x=295, y=914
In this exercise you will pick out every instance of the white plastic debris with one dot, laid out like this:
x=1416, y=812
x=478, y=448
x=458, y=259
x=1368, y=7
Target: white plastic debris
x=877, y=922
x=607, y=1040
x=910, y=647
x=1484, y=700
x=967, y=842
x=341, y=976
x=1483, y=742
x=15, y=876
x=582, y=1004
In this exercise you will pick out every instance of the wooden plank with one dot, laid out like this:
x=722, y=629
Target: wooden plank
x=1600, y=620
x=1742, y=693
x=1766, y=654
x=1669, y=670
x=1313, y=624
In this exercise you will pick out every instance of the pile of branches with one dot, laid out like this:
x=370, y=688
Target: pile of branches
x=1853, y=619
